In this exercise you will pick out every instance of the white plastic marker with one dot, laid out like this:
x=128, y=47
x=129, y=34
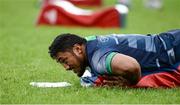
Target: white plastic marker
x=50, y=84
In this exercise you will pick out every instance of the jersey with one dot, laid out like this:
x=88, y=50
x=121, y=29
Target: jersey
x=154, y=53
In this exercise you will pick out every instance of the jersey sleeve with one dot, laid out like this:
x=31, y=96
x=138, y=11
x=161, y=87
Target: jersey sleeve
x=103, y=65
x=108, y=61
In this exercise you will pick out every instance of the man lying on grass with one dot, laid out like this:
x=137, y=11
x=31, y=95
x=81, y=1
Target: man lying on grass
x=131, y=60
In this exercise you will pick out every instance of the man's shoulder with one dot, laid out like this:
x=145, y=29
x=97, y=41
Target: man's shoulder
x=90, y=38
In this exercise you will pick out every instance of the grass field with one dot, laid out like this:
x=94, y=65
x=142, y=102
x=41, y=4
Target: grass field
x=24, y=57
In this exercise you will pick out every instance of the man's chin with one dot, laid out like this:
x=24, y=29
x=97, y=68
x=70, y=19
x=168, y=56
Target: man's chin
x=79, y=74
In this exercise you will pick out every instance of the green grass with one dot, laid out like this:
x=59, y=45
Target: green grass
x=24, y=57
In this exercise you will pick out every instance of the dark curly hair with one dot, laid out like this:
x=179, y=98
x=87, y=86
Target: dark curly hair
x=64, y=42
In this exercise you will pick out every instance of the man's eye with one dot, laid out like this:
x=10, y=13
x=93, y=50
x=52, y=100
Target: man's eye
x=60, y=61
x=65, y=62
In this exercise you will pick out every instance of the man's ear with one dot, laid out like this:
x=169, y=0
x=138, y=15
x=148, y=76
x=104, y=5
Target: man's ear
x=77, y=49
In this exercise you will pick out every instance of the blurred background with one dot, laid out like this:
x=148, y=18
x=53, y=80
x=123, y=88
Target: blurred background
x=24, y=50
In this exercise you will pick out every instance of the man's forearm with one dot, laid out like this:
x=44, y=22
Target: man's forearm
x=114, y=81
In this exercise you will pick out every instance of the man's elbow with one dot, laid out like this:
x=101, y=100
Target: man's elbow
x=133, y=75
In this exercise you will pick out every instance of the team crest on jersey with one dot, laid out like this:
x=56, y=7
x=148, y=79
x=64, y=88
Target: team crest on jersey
x=103, y=39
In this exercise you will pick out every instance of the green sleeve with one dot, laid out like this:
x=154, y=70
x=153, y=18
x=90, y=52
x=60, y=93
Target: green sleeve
x=108, y=62
x=89, y=38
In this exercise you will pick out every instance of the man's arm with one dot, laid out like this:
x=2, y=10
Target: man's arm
x=127, y=67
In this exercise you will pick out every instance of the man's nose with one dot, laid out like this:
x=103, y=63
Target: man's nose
x=66, y=66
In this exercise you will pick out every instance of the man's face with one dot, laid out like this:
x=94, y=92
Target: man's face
x=72, y=60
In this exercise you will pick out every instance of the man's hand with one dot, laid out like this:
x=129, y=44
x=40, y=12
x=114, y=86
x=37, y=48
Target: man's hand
x=114, y=81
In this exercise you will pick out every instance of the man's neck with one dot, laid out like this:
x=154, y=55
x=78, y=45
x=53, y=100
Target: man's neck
x=85, y=55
